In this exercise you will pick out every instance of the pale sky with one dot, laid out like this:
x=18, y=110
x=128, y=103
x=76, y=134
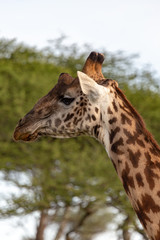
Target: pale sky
x=131, y=26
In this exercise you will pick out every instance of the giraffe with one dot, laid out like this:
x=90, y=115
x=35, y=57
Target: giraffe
x=92, y=105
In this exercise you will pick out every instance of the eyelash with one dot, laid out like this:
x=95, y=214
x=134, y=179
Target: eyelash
x=67, y=101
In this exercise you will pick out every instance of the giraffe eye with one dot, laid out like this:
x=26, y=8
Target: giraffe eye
x=67, y=100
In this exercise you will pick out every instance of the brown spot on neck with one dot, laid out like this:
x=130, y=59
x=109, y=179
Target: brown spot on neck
x=139, y=180
x=149, y=171
x=115, y=106
x=127, y=179
x=113, y=134
x=134, y=157
x=129, y=109
x=115, y=146
x=109, y=111
x=125, y=119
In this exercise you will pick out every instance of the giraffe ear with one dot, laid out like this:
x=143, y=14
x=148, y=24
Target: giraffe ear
x=88, y=86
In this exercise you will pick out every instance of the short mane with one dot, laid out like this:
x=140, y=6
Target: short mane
x=139, y=120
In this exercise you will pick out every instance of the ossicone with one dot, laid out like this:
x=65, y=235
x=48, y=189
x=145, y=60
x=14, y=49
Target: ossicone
x=65, y=78
x=93, y=66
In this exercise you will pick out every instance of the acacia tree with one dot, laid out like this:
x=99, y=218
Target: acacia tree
x=65, y=180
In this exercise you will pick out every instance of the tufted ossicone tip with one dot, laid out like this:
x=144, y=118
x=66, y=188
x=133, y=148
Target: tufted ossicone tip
x=93, y=66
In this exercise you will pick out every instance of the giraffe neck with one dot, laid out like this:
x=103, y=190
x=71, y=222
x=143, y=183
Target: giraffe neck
x=136, y=158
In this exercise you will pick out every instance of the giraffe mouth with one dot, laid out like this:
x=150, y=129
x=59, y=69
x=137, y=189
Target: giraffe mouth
x=20, y=135
x=26, y=137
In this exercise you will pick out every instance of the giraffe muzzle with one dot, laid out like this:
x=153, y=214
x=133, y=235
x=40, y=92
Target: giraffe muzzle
x=26, y=137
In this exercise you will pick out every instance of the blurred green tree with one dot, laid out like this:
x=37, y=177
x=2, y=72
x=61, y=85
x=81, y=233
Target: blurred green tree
x=67, y=181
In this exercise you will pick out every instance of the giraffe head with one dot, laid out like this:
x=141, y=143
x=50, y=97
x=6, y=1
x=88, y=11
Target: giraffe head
x=71, y=108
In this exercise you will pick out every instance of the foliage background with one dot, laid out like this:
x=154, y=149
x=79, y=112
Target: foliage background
x=68, y=182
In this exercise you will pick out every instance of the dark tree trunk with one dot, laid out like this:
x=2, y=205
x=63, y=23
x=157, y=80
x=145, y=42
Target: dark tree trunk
x=141, y=231
x=62, y=224
x=126, y=233
x=80, y=223
x=43, y=222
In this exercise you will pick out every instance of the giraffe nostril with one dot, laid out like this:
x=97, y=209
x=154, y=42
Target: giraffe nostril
x=20, y=122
